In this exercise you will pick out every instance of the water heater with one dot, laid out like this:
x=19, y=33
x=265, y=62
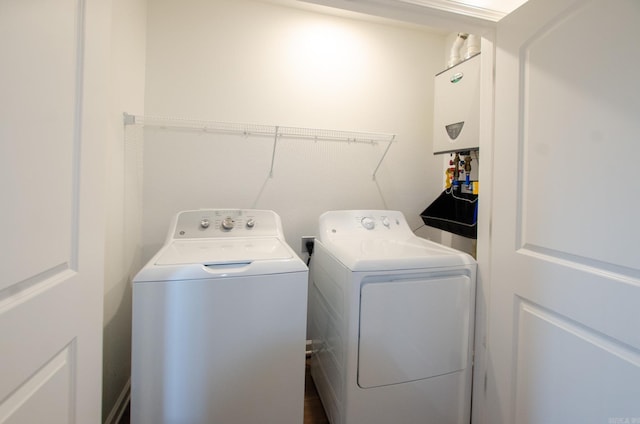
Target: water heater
x=457, y=107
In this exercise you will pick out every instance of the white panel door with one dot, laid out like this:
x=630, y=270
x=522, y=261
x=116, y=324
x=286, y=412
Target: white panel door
x=52, y=132
x=564, y=325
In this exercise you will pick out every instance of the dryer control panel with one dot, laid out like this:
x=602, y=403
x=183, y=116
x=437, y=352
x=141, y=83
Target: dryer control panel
x=216, y=223
x=364, y=223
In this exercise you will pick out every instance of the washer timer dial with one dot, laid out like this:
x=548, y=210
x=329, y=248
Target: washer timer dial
x=227, y=223
x=368, y=223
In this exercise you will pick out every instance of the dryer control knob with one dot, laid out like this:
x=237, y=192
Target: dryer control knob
x=204, y=223
x=368, y=223
x=385, y=222
x=227, y=223
x=251, y=223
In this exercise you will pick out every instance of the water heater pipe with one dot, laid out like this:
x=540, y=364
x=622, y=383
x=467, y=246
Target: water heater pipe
x=473, y=46
x=454, y=56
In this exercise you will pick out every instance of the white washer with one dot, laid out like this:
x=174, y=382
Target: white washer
x=391, y=319
x=219, y=322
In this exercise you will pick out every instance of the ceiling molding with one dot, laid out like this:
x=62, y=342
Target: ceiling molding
x=444, y=19
x=459, y=7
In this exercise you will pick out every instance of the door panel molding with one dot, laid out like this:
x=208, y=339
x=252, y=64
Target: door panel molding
x=546, y=374
x=568, y=116
x=44, y=137
x=581, y=263
x=23, y=290
x=54, y=378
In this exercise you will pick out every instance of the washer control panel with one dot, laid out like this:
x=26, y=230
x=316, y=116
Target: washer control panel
x=208, y=223
x=363, y=223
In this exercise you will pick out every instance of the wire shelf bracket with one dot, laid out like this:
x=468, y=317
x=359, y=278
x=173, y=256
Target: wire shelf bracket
x=275, y=131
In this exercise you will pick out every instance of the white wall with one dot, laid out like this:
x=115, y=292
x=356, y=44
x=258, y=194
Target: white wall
x=248, y=61
x=122, y=250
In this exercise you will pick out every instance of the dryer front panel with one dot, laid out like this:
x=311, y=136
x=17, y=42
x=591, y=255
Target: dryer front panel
x=413, y=329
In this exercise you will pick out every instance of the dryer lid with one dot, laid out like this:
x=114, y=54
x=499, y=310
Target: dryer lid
x=222, y=251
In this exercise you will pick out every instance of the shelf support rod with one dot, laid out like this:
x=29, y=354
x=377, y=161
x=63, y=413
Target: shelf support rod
x=273, y=154
x=383, y=156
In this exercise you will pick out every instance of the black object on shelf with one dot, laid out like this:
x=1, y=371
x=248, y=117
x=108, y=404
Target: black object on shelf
x=454, y=211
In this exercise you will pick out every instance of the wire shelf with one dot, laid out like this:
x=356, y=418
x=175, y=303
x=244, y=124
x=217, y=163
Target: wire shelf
x=274, y=131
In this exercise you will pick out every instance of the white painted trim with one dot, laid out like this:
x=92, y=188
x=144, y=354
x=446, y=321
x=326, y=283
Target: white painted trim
x=445, y=17
x=483, y=282
x=459, y=8
x=121, y=404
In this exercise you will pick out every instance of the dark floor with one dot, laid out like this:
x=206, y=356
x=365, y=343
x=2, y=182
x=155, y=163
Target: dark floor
x=313, y=411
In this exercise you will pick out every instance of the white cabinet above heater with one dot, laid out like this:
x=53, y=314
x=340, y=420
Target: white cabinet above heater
x=457, y=107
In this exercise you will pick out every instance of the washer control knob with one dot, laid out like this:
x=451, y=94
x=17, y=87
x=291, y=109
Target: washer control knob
x=385, y=222
x=227, y=223
x=368, y=223
x=204, y=223
x=251, y=223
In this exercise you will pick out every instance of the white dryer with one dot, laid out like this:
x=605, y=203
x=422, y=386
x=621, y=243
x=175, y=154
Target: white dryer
x=391, y=320
x=219, y=323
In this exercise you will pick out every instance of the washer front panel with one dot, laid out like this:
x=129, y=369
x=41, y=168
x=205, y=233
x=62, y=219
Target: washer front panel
x=219, y=350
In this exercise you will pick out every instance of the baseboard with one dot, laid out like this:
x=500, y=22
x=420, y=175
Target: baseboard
x=120, y=405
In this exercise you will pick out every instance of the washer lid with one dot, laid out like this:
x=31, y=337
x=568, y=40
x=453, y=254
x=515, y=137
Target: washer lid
x=222, y=251
x=392, y=254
